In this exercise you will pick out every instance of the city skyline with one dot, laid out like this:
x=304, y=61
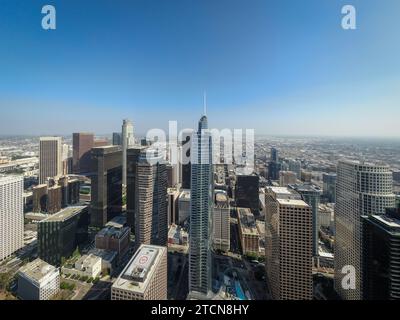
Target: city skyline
x=152, y=61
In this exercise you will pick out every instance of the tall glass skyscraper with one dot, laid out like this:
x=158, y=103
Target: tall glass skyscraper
x=128, y=141
x=362, y=189
x=200, y=215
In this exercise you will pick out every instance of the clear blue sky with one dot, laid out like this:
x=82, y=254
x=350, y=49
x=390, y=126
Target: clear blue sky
x=278, y=66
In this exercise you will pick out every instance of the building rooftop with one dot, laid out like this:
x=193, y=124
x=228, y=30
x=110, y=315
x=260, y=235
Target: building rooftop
x=388, y=221
x=140, y=269
x=37, y=270
x=292, y=202
x=65, y=214
x=117, y=222
x=247, y=221
x=305, y=187
x=185, y=195
x=107, y=255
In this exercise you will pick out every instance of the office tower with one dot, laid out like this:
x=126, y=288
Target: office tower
x=133, y=155
x=273, y=170
x=144, y=277
x=185, y=165
x=69, y=190
x=50, y=158
x=54, y=199
x=381, y=256
x=329, y=186
x=295, y=166
x=247, y=192
x=106, y=201
x=362, y=189
x=38, y=280
x=117, y=139
x=60, y=233
x=39, y=194
x=274, y=154
x=311, y=194
x=248, y=232
x=11, y=215
x=306, y=176
x=286, y=178
x=201, y=211
x=288, y=245
x=183, y=206
x=82, y=144
x=128, y=141
x=151, y=220
x=221, y=221
x=173, y=195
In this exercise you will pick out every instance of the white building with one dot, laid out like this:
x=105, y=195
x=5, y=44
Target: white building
x=89, y=265
x=128, y=141
x=144, y=277
x=361, y=189
x=11, y=215
x=38, y=280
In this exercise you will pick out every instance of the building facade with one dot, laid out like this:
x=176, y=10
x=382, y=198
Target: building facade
x=288, y=245
x=106, y=197
x=200, y=236
x=50, y=158
x=82, y=144
x=38, y=280
x=221, y=221
x=128, y=141
x=362, y=189
x=11, y=215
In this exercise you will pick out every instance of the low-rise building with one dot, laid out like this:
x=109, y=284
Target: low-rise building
x=89, y=265
x=38, y=280
x=114, y=236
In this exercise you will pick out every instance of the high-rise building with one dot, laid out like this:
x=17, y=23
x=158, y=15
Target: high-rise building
x=183, y=206
x=173, y=195
x=144, y=277
x=38, y=280
x=82, y=144
x=133, y=155
x=295, y=166
x=185, y=165
x=11, y=215
x=128, y=141
x=54, y=199
x=288, y=245
x=106, y=201
x=200, y=213
x=311, y=194
x=50, y=158
x=286, y=178
x=274, y=154
x=151, y=220
x=247, y=192
x=329, y=186
x=39, y=194
x=117, y=139
x=381, y=256
x=221, y=221
x=362, y=189
x=60, y=233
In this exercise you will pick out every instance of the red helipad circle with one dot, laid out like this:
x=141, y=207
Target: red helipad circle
x=143, y=259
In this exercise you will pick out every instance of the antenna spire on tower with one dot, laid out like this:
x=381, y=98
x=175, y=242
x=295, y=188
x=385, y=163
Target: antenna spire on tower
x=205, y=103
